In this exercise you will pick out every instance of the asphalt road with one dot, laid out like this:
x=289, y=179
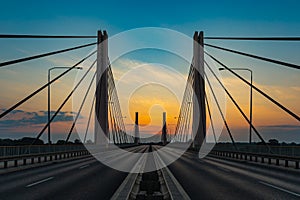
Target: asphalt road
x=208, y=178
x=84, y=178
x=213, y=178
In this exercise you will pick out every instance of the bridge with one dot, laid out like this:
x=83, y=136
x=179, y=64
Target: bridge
x=110, y=162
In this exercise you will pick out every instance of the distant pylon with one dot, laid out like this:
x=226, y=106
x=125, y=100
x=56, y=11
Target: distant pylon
x=164, y=130
x=136, y=129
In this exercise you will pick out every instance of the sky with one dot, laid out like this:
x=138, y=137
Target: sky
x=215, y=18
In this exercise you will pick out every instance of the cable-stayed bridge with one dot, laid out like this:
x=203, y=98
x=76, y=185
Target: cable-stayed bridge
x=183, y=165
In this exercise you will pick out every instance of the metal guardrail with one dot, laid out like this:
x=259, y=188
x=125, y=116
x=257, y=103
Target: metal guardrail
x=13, y=156
x=281, y=150
x=6, y=151
x=256, y=157
x=25, y=159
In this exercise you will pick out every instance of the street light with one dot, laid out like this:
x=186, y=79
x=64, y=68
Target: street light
x=249, y=70
x=49, y=73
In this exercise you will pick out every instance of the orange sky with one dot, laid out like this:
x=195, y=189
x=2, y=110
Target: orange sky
x=151, y=100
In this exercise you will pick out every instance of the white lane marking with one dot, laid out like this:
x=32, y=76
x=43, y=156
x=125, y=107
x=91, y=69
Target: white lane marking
x=84, y=166
x=279, y=188
x=38, y=182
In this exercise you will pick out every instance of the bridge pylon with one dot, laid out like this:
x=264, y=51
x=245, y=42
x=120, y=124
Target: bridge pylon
x=199, y=110
x=136, y=129
x=101, y=102
x=164, y=130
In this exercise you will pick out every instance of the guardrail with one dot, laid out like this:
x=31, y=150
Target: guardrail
x=25, y=159
x=283, y=150
x=258, y=157
x=6, y=151
x=13, y=156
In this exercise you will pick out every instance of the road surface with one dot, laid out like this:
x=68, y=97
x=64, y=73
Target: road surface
x=209, y=178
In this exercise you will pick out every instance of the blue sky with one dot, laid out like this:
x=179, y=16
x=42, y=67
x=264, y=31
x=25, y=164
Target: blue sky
x=83, y=17
x=215, y=18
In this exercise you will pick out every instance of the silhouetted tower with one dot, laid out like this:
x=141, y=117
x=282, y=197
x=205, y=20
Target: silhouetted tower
x=199, y=115
x=136, y=129
x=101, y=104
x=164, y=130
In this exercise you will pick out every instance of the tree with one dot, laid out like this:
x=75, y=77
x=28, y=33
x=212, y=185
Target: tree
x=273, y=142
x=77, y=141
x=60, y=142
x=89, y=142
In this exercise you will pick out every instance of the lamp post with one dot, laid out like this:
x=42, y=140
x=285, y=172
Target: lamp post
x=251, y=78
x=49, y=77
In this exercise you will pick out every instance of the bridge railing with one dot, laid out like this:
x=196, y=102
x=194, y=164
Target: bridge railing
x=270, y=159
x=8, y=151
x=25, y=159
x=293, y=151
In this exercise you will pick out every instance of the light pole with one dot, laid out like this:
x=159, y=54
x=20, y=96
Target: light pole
x=49, y=77
x=251, y=78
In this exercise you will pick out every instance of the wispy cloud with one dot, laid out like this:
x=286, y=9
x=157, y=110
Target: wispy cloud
x=148, y=88
x=21, y=118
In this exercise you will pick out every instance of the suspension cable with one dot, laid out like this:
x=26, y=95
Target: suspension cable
x=222, y=115
x=211, y=121
x=46, y=36
x=115, y=118
x=255, y=38
x=178, y=125
x=256, y=57
x=117, y=108
x=187, y=111
x=112, y=125
x=43, y=55
x=43, y=87
x=111, y=107
x=64, y=102
x=237, y=106
x=255, y=88
x=88, y=123
x=80, y=108
x=188, y=100
x=182, y=108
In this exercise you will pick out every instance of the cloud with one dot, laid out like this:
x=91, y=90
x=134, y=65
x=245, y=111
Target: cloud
x=21, y=118
x=123, y=65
